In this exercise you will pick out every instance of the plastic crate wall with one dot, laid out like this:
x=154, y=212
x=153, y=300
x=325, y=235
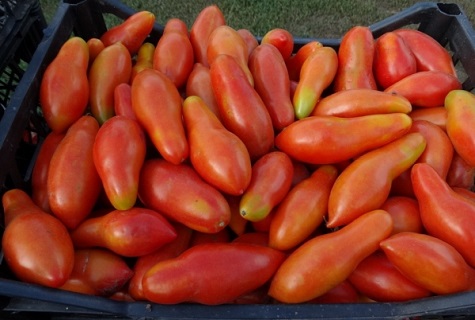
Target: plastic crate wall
x=21, y=30
x=445, y=22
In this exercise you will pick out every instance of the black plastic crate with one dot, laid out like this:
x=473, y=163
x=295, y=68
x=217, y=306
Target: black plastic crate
x=21, y=30
x=445, y=22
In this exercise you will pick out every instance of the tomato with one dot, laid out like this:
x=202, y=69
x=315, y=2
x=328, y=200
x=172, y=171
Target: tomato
x=226, y=40
x=102, y=271
x=316, y=74
x=282, y=39
x=365, y=183
x=405, y=213
x=211, y=274
x=123, y=101
x=119, y=152
x=157, y=105
x=143, y=60
x=217, y=154
x=425, y=88
x=73, y=182
x=64, y=88
x=427, y=261
x=438, y=153
x=344, y=292
x=241, y=109
x=36, y=245
x=323, y=262
x=440, y=209
x=302, y=210
x=112, y=66
x=294, y=63
x=460, y=105
x=130, y=233
x=378, y=279
x=460, y=174
x=393, y=59
x=429, y=54
x=237, y=223
x=131, y=32
x=329, y=139
x=95, y=47
x=255, y=237
x=271, y=180
x=273, y=87
x=360, y=102
x=436, y=115
x=222, y=236
x=173, y=54
x=208, y=19
x=249, y=38
x=355, y=60
x=167, y=251
x=39, y=175
x=179, y=193
x=199, y=84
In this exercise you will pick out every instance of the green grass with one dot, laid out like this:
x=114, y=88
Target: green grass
x=312, y=18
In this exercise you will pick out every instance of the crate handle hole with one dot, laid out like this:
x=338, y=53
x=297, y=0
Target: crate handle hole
x=449, y=8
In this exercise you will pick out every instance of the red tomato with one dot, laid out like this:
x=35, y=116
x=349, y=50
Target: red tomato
x=211, y=274
x=282, y=39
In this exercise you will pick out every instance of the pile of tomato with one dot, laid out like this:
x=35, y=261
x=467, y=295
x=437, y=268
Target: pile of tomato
x=212, y=168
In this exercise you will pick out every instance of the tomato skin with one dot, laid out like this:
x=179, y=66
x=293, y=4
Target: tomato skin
x=241, y=109
x=39, y=175
x=173, y=54
x=123, y=101
x=317, y=73
x=102, y=271
x=95, y=47
x=217, y=154
x=427, y=260
x=179, y=193
x=249, y=38
x=36, y=245
x=429, y=54
x=460, y=105
x=302, y=210
x=111, y=67
x=436, y=115
x=378, y=279
x=144, y=59
x=438, y=153
x=211, y=274
x=405, y=214
x=307, y=140
x=273, y=87
x=355, y=60
x=312, y=269
x=344, y=292
x=294, y=63
x=360, y=102
x=270, y=181
x=393, y=59
x=130, y=233
x=440, y=209
x=460, y=174
x=73, y=182
x=64, y=88
x=199, y=84
x=282, y=39
x=119, y=153
x=226, y=40
x=132, y=32
x=167, y=251
x=425, y=89
x=157, y=105
x=365, y=183
x=207, y=20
